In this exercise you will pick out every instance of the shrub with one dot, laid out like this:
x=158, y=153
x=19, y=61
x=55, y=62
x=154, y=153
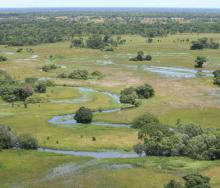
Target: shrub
x=40, y=87
x=79, y=74
x=50, y=67
x=2, y=58
x=146, y=91
x=128, y=95
x=141, y=57
x=27, y=141
x=173, y=184
x=217, y=81
x=97, y=74
x=83, y=115
x=139, y=149
x=196, y=181
x=200, y=61
x=7, y=138
x=216, y=73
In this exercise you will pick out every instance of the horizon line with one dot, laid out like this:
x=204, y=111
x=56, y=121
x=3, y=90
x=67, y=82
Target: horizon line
x=114, y=7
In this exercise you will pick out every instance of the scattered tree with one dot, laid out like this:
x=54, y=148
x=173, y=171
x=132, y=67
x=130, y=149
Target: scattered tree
x=83, y=115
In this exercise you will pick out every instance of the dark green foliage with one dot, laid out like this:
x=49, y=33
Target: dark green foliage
x=185, y=140
x=149, y=40
x=204, y=43
x=217, y=81
x=7, y=138
x=216, y=73
x=27, y=141
x=139, y=149
x=97, y=74
x=79, y=74
x=83, y=115
x=173, y=184
x=2, y=58
x=144, y=92
x=131, y=95
x=19, y=50
x=40, y=87
x=50, y=67
x=196, y=181
x=77, y=42
x=95, y=42
x=200, y=61
x=141, y=57
x=128, y=95
x=144, y=120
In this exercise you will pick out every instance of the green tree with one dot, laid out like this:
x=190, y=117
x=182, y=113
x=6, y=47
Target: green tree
x=196, y=181
x=200, y=61
x=27, y=141
x=173, y=184
x=83, y=115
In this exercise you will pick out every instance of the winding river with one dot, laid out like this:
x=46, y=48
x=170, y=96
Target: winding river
x=69, y=120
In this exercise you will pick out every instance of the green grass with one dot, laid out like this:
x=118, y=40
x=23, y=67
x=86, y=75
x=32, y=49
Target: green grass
x=185, y=99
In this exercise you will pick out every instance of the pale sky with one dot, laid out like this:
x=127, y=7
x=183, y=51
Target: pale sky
x=110, y=3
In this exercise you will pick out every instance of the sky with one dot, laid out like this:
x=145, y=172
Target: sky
x=110, y=3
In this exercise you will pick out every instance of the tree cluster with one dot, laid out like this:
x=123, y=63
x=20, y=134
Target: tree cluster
x=81, y=74
x=8, y=139
x=203, y=43
x=216, y=74
x=141, y=57
x=183, y=140
x=131, y=95
x=191, y=181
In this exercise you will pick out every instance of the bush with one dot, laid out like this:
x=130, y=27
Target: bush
x=131, y=95
x=2, y=58
x=216, y=81
x=196, y=181
x=144, y=120
x=79, y=74
x=50, y=67
x=83, y=115
x=173, y=184
x=7, y=138
x=97, y=74
x=203, y=43
x=144, y=92
x=216, y=73
x=40, y=87
x=95, y=42
x=27, y=141
x=128, y=95
x=200, y=61
x=141, y=57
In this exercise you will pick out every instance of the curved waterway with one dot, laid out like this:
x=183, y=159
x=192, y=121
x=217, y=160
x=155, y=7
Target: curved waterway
x=69, y=118
x=97, y=155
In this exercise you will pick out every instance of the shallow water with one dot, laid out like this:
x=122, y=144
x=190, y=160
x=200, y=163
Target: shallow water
x=104, y=62
x=97, y=155
x=69, y=118
x=172, y=72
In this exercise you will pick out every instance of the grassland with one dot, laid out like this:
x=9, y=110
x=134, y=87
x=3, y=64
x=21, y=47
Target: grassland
x=187, y=99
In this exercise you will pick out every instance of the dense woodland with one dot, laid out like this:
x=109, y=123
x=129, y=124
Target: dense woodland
x=50, y=27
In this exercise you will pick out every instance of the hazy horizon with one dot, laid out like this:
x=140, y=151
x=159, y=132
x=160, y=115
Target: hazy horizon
x=211, y=4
